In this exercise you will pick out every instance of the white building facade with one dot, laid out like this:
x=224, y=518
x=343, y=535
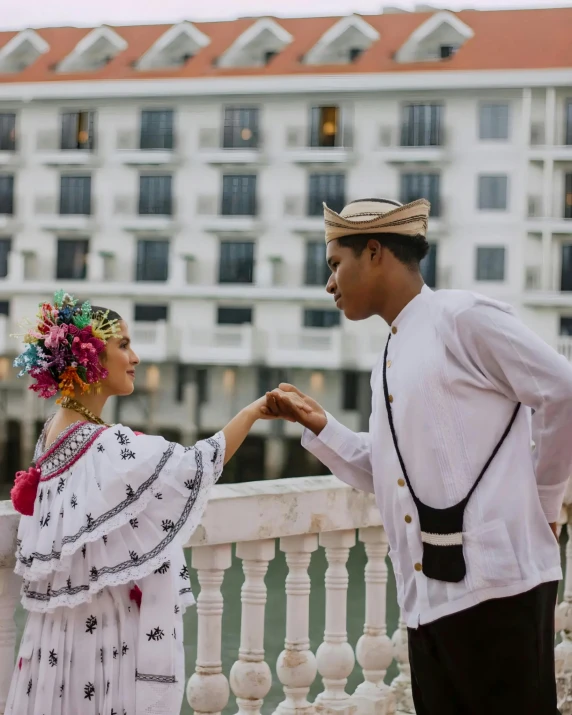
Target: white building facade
x=192, y=206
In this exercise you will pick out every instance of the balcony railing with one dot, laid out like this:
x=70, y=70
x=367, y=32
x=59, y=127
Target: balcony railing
x=304, y=514
x=221, y=345
x=146, y=148
x=150, y=340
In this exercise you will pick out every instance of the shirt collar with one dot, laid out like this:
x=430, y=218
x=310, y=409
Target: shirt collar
x=411, y=308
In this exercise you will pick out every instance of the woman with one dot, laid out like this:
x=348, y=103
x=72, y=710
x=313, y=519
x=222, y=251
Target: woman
x=106, y=513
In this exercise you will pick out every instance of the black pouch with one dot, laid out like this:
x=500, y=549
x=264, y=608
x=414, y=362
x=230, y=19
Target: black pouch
x=442, y=537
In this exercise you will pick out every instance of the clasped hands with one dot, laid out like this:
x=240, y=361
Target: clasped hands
x=288, y=403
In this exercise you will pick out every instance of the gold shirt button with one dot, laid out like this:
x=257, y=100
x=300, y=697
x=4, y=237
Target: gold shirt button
x=401, y=482
x=418, y=567
x=389, y=363
x=391, y=398
x=408, y=519
x=394, y=330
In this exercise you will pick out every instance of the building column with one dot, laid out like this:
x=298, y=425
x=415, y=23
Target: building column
x=275, y=451
x=364, y=401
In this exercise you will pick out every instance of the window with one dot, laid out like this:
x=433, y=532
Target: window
x=238, y=195
x=422, y=186
x=7, y=132
x=152, y=260
x=568, y=196
x=77, y=131
x=156, y=129
x=155, y=197
x=330, y=188
x=6, y=194
x=493, y=193
x=566, y=267
x=350, y=390
x=568, y=122
x=317, y=270
x=145, y=313
x=321, y=318
x=566, y=326
x=446, y=51
x=428, y=266
x=236, y=262
x=5, y=247
x=72, y=259
x=354, y=53
x=240, y=128
x=490, y=263
x=5, y=307
x=422, y=125
x=234, y=316
x=493, y=121
x=75, y=195
x=324, y=127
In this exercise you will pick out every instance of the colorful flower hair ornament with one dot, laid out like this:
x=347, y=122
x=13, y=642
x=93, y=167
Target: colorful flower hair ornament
x=63, y=347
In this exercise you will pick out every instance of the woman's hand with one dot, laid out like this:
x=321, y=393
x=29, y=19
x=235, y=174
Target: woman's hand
x=292, y=405
x=259, y=409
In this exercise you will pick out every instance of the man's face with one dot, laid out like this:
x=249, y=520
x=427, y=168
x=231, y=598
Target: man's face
x=351, y=280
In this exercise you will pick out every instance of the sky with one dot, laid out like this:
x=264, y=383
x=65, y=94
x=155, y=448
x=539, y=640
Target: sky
x=15, y=14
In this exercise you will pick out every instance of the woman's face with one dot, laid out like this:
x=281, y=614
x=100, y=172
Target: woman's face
x=120, y=361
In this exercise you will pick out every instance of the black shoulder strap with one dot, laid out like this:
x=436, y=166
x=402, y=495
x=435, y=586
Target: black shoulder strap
x=394, y=435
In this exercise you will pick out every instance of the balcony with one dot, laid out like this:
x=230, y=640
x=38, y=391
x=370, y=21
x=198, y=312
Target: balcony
x=125, y=210
x=151, y=340
x=392, y=151
x=129, y=149
x=211, y=220
x=49, y=151
x=221, y=345
x=539, y=150
x=49, y=217
x=564, y=346
x=300, y=151
x=10, y=157
x=211, y=150
x=538, y=220
x=319, y=348
x=362, y=352
x=306, y=515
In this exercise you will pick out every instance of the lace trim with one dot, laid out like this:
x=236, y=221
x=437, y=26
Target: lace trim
x=146, y=678
x=34, y=601
x=118, y=516
x=67, y=449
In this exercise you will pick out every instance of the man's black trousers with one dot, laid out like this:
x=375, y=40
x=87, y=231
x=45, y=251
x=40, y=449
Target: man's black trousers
x=496, y=658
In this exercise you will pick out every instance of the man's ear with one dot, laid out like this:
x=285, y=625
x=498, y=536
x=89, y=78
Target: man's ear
x=374, y=249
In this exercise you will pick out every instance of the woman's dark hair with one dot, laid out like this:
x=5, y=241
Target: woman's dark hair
x=409, y=250
x=111, y=314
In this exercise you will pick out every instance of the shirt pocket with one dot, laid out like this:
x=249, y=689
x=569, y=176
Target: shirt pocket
x=490, y=557
x=398, y=576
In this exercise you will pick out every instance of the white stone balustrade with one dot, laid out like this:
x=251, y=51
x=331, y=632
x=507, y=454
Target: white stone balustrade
x=304, y=514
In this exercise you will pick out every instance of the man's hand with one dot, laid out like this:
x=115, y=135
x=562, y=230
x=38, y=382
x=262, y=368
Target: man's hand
x=291, y=404
x=554, y=528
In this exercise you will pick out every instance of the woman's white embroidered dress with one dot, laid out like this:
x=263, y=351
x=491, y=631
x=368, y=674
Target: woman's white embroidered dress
x=113, y=510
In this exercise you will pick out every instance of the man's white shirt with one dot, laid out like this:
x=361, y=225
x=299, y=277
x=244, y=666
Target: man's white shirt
x=457, y=365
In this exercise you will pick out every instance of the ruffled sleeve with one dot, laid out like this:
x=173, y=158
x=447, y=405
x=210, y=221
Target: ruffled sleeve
x=110, y=509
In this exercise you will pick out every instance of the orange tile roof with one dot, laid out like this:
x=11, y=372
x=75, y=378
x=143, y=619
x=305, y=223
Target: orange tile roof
x=508, y=39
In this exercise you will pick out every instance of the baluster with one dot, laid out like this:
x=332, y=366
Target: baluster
x=9, y=592
x=250, y=676
x=374, y=649
x=564, y=625
x=207, y=689
x=401, y=686
x=335, y=656
x=296, y=666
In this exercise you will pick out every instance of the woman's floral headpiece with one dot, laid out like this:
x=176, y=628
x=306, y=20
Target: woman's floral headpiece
x=63, y=347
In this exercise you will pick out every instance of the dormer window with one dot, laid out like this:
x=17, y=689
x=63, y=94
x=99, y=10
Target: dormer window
x=343, y=43
x=257, y=45
x=176, y=47
x=22, y=51
x=94, y=51
x=439, y=38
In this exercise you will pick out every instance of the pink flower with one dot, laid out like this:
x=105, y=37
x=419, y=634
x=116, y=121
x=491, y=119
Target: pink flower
x=56, y=335
x=86, y=347
x=45, y=384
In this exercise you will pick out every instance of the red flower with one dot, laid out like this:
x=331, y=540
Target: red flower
x=24, y=491
x=136, y=595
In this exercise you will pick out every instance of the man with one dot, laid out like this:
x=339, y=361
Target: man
x=468, y=507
